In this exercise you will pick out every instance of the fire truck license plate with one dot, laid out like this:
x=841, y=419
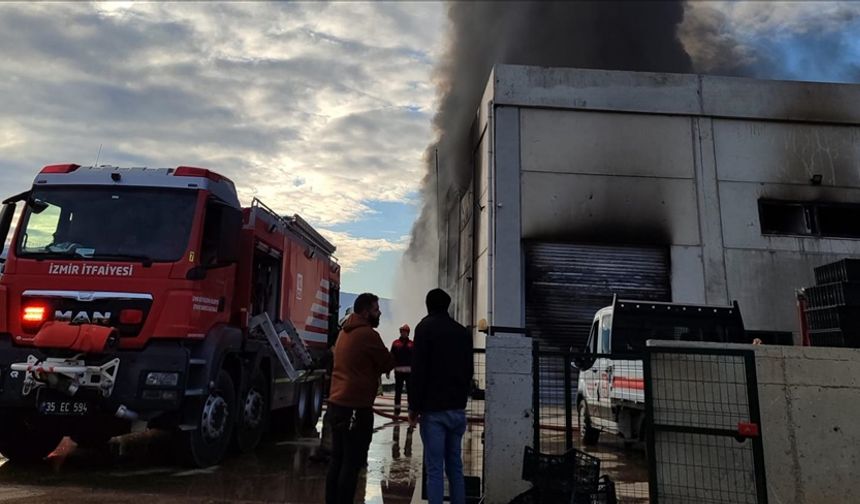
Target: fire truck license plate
x=63, y=407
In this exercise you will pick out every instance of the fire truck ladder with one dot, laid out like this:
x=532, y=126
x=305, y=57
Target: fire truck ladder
x=297, y=362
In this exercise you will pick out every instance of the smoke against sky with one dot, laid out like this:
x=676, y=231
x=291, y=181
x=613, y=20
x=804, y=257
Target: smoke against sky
x=770, y=40
x=608, y=35
x=814, y=41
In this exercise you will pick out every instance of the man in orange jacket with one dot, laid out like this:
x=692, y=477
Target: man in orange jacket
x=360, y=358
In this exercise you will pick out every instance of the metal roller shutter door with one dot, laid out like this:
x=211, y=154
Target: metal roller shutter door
x=567, y=283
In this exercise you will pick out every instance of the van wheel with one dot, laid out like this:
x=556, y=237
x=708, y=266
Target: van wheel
x=207, y=444
x=588, y=435
x=252, y=419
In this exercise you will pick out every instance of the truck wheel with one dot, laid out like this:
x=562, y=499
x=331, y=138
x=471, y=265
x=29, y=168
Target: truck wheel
x=588, y=435
x=315, y=401
x=207, y=444
x=253, y=415
x=302, y=409
x=27, y=438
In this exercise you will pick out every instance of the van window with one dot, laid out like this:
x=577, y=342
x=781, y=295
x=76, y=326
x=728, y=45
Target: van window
x=591, y=347
x=603, y=346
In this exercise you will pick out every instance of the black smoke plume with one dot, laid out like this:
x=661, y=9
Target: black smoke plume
x=603, y=35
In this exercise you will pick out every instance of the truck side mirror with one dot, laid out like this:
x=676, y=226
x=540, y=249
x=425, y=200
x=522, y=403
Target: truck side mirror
x=6, y=215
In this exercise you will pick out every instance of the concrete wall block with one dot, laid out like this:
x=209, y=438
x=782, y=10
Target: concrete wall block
x=850, y=355
x=770, y=370
x=509, y=422
x=827, y=434
x=787, y=153
x=596, y=89
x=505, y=467
x=513, y=341
x=564, y=141
x=827, y=373
x=601, y=208
x=688, y=278
x=510, y=361
x=767, y=99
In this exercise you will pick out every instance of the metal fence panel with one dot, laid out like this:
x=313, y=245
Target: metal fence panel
x=705, y=429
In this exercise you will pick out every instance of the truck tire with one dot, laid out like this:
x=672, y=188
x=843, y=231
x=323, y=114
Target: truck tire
x=25, y=437
x=302, y=409
x=253, y=415
x=315, y=403
x=588, y=435
x=208, y=443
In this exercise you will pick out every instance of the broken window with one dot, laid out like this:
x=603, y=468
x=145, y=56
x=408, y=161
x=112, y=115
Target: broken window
x=839, y=220
x=780, y=217
x=824, y=219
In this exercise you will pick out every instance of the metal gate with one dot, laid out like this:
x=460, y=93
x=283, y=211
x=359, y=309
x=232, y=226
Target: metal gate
x=566, y=283
x=704, y=439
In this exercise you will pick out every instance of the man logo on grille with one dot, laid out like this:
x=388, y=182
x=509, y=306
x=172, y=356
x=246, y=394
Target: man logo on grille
x=82, y=317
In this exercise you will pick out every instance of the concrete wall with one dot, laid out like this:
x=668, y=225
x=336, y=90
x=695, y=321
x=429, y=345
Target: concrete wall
x=810, y=405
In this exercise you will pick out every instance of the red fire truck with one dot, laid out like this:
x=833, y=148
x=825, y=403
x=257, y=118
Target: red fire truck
x=135, y=297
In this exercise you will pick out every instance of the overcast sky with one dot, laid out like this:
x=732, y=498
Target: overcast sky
x=318, y=109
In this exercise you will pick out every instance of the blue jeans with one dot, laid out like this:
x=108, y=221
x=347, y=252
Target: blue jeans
x=442, y=435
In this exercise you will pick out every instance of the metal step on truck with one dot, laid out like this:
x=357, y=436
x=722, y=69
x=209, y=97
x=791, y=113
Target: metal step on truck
x=610, y=393
x=139, y=297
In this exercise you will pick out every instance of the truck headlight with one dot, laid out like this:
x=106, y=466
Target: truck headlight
x=161, y=379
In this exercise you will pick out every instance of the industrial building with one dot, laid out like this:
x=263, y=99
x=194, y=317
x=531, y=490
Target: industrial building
x=684, y=188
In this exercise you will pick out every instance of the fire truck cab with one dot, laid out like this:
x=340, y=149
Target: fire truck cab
x=134, y=296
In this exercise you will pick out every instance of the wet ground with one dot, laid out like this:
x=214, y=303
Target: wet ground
x=141, y=468
x=625, y=463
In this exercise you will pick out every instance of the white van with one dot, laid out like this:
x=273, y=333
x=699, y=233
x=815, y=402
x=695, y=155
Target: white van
x=611, y=390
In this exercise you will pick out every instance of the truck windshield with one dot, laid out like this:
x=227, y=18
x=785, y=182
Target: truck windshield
x=107, y=223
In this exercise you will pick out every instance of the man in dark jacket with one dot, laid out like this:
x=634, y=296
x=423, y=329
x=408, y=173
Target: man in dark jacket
x=360, y=357
x=442, y=367
x=401, y=350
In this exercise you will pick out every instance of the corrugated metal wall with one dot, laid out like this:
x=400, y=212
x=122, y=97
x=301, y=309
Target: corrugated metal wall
x=567, y=283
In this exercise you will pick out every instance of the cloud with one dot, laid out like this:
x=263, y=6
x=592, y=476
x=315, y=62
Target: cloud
x=352, y=250
x=315, y=108
x=776, y=40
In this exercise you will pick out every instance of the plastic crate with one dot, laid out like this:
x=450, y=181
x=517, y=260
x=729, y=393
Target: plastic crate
x=605, y=493
x=571, y=472
x=833, y=294
x=833, y=338
x=846, y=270
x=844, y=318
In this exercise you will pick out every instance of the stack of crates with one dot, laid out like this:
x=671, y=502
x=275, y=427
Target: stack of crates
x=833, y=305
